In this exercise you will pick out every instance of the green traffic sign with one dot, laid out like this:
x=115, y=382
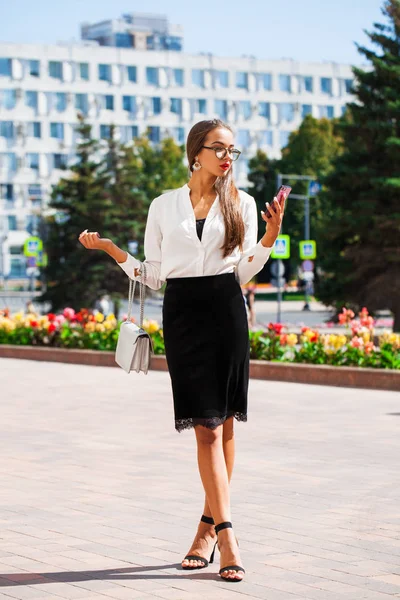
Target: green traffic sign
x=282, y=247
x=32, y=246
x=308, y=249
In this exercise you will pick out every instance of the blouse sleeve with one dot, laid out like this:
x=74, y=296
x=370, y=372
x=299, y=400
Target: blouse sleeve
x=152, y=251
x=254, y=255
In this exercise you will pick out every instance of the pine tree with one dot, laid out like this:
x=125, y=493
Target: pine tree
x=359, y=248
x=76, y=276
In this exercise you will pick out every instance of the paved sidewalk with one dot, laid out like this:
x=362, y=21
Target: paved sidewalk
x=100, y=497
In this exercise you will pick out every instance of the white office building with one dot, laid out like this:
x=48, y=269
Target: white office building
x=133, y=73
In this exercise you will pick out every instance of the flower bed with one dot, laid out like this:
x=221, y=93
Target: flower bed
x=86, y=330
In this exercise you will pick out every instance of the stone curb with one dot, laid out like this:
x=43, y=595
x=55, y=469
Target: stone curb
x=378, y=379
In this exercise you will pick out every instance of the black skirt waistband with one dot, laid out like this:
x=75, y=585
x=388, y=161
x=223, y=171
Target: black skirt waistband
x=202, y=279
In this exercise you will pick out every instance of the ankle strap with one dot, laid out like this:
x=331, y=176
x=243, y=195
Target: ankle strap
x=223, y=525
x=208, y=520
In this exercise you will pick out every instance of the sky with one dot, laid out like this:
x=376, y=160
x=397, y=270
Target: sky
x=305, y=30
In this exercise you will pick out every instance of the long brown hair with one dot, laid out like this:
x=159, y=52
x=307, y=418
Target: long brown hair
x=225, y=186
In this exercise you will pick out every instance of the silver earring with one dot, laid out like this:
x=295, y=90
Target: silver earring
x=196, y=165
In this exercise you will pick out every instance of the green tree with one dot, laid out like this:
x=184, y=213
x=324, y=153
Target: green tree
x=80, y=200
x=359, y=249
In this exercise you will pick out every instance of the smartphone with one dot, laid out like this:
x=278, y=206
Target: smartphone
x=282, y=195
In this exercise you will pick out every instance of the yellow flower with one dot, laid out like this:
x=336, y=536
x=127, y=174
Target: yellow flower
x=108, y=325
x=99, y=317
x=291, y=339
x=100, y=327
x=90, y=327
x=18, y=317
x=150, y=326
x=366, y=336
x=110, y=317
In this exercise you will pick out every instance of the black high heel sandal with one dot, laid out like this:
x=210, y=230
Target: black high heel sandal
x=206, y=562
x=236, y=568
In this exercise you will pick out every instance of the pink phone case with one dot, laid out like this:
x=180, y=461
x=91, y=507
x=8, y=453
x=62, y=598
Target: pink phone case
x=282, y=195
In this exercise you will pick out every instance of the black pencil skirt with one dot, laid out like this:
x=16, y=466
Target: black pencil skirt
x=207, y=349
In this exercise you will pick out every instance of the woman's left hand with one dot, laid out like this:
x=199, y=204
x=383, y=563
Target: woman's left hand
x=273, y=223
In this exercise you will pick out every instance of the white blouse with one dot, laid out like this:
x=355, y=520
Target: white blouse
x=173, y=249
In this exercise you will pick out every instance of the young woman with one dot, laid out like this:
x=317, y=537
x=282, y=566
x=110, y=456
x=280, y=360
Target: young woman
x=201, y=239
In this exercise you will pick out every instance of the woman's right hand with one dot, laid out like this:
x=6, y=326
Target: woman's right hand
x=92, y=241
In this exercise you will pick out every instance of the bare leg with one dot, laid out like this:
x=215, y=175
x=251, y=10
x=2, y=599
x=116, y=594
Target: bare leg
x=214, y=475
x=206, y=537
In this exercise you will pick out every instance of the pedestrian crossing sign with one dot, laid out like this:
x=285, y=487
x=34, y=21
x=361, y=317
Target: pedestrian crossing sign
x=282, y=247
x=308, y=249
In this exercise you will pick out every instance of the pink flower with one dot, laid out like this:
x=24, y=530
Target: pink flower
x=357, y=342
x=59, y=320
x=369, y=346
x=69, y=313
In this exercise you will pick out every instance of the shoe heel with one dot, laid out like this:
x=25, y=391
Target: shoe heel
x=212, y=554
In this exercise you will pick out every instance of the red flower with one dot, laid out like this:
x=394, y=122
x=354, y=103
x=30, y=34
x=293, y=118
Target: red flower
x=79, y=317
x=51, y=317
x=33, y=323
x=51, y=328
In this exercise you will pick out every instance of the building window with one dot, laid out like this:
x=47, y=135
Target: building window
x=34, y=129
x=105, y=132
x=32, y=160
x=200, y=106
x=132, y=74
x=242, y=80
x=221, y=108
x=326, y=112
x=245, y=109
x=285, y=83
x=156, y=105
x=7, y=129
x=198, y=77
x=57, y=131
x=124, y=40
x=307, y=83
x=179, y=135
x=60, y=161
x=176, y=106
x=82, y=103
x=284, y=138
x=152, y=75
x=105, y=72
x=326, y=85
x=5, y=67
x=8, y=161
x=286, y=111
x=60, y=101
x=129, y=103
x=243, y=138
x=264, y=109
x=31, y=99
x=348, y=85
x=84, y=71
x=8, y=99
x=108, y=102
x=7, y=192
x=55, y=69
x=343, y=109
x=178, y=77
x=306, y=109
x=34, y=68
x=264, y=81
x=12, y=223
x=34, y=191
x=266, y=138
x=154, y=134
x=128, y=133
x=222, y=78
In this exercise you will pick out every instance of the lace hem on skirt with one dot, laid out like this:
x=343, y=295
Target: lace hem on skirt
x=210, y=423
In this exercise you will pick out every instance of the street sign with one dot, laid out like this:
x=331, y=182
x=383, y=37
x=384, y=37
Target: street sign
x=281, y=248
x=308, y=249
x=307, y=265
x=31, y=261
x=314, y=187
x=277, y=268
x=32, y=246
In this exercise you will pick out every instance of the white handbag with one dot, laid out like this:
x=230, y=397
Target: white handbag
x=134, y=346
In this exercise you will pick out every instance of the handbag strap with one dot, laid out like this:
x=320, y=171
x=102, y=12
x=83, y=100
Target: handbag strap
x=142, y=290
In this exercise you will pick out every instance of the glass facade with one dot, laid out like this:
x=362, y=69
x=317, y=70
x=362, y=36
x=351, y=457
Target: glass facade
x=242, y=80
x=221, y=108
x=286, y=111
x=128, y=133
x=306, y=109
x=264, y=81
x=32, y=160
x=129, y=103
x=104, y=72
x=7, y=129
x=131, y=73
x=156, y=105
x=307, y=83
x=60, y=101
x=31, y=99
x=55, y=69
x=57, y=131
x=105, y=132
x=326, y=85
x=8, y=99
x=178, y=77
x=34, y=129
x=82, y=103
x=198, y=77
x=84, y=71
x=285, y=83
x=5, y=67
x=108, y=102
x=222, y=78
x=152, y=75
x=34, y=68
x=176, y=105
x=154, y=134
x=264, y=109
